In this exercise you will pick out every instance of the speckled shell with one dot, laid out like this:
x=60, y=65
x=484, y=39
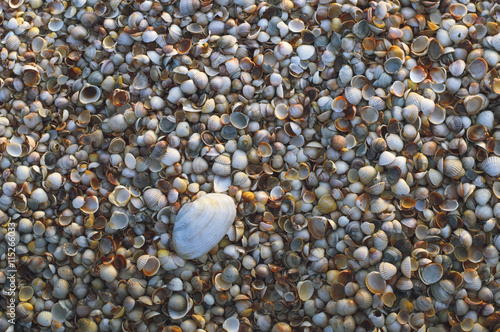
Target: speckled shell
x=200, y=225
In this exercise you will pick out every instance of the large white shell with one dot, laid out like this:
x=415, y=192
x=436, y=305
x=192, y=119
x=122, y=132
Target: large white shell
x=200, y=225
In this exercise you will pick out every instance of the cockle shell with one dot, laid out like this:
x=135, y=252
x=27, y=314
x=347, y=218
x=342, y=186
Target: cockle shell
x=491, y=166
x=200, y=225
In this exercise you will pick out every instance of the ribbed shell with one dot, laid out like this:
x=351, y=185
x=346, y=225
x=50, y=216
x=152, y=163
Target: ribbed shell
x=61, y=289
x=305, y=51
x=353, y=95
x=222, y=165
x=239, y=160
x=367, y=174
x=142, y=164
x=491, y=166
x=386, y=158
x=87, y=325
x=378, y=205
x=200, y=225
x=141, y=261
x=458, y=33
x=387, y=270
x=154, y=199
x=117, y=123
x=200, y=165
x=188, y=7
x=171, y=157
x=406, y=267
x=452, y=166
x=363, y=298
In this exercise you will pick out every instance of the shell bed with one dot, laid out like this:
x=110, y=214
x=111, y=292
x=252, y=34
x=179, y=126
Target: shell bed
x=241, y=165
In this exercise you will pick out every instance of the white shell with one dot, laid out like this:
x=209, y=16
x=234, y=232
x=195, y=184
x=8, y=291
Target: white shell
x=353, y=95
x=149, y=36
x=200, y=225
x=305, y=52
x=44, y=318
x=239, y=160
x=231, y=324
x=458, y=33
x=171, y=157
x=386, y=158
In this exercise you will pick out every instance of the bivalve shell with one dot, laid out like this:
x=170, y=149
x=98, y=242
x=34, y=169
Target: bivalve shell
x=200, y=225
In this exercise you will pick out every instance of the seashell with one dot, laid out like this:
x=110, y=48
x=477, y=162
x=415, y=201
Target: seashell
x=140, y=81
x=87, y=325
x=458, y=33
x=406, y=267
x=346, y=307
x=89, y=94
x=296, y=25
x=353, y=95
x=491, y=166
x=14, y=149
x=453, y=167
x=44, y=318
x=188, y=7
x=431, y=273
x=375, y=283
x=61, y=289
x=458, y=10
x=386, y=158
x=171, y=157
x=26, y=293
x=239, y=120
x=419, y=45
x=363, y=298
x=369, y=114
x=195, y=232
x=179, y=305
x=326, y=204
x=108, y=273
x=305, y=290
x=305, y=52
x=149, y=265
x=435, y=49
x=154, y=199
x=90, y=205
x=284, y=48
x=120, y=97
x=231, y=324
x=367, y=174
x=393, y=65
x=418, y=74
x=427, y=106
x=457, y=67
x=222, y=165
x=317, y=226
